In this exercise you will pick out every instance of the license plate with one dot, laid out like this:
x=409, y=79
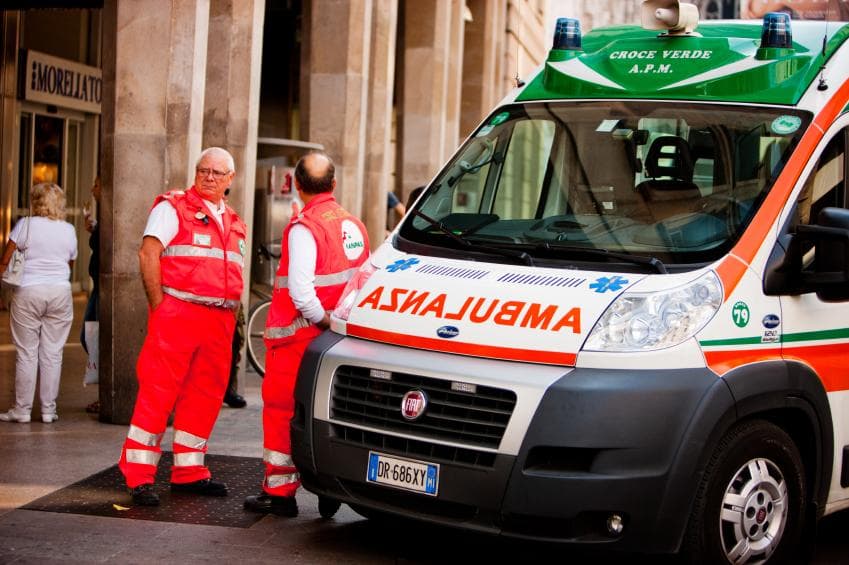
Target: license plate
x=406, y=474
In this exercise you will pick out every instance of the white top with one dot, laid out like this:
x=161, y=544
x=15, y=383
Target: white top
x=51, y=245
x=162, y=223
x=303, y=253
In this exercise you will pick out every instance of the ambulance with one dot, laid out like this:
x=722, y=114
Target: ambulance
x=619, y=315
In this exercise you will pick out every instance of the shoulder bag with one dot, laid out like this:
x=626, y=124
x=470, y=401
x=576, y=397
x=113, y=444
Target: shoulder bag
x=14, y=272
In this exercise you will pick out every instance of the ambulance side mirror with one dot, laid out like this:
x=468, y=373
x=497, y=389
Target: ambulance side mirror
x=816, y=260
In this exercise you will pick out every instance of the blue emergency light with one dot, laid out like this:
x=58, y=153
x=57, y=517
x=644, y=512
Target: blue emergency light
x=567, y=34
x=776, y=31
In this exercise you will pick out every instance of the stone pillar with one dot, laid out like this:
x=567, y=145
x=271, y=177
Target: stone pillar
x=10, y=25
x=231, y=113
x=378, y=164
x=430, y=129
x=154, y=55
x=526, y=48
x=483, y=84
x=336, y=97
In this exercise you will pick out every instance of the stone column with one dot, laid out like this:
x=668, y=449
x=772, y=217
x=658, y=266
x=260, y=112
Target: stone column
x=336, y=97
x=525, y=46
x=430, y=129
x=10, y=25
x=379, y=123
x=231, y=114
x=483, y=84
x=154, y=55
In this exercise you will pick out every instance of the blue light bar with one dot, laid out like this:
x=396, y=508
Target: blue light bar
x=567, y=34
x=776, y=31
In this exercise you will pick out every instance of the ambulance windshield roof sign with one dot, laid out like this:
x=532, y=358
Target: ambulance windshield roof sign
x=725, y=64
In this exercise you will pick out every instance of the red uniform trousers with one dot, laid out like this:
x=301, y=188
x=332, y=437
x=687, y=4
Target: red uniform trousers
x=278, y=407
x=184, y=366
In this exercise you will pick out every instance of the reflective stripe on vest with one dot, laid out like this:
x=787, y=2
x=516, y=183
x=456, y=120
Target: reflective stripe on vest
x=189, y=440
x=274, y=481
x=287, y=331
x=191, y=459
x=194, y=251
x=277, y=459
x=329, y=279
x=143, y=437
x=143, y=456
x=202, y=300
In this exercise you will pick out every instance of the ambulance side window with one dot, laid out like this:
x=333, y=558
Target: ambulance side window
x=826, y=186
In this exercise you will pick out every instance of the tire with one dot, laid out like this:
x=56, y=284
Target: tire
x=751, y=502
x=328, y=507
x=255, y=328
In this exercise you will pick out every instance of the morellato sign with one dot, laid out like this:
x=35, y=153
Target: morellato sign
x=64, y=83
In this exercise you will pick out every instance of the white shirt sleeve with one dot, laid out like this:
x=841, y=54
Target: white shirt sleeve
x=303, y=253
x=162, y=223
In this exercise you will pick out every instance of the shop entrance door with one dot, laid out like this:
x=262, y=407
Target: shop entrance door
x=51, y=149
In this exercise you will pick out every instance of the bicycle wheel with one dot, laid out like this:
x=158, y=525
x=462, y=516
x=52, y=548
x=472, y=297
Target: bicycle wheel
x=256, y=327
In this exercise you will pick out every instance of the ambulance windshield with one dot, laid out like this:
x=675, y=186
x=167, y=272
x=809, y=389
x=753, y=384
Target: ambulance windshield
x=672, y=181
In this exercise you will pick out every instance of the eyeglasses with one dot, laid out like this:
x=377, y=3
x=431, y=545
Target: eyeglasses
x=218, y=175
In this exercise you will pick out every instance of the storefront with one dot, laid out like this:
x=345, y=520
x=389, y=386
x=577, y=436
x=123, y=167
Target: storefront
x=54, y=115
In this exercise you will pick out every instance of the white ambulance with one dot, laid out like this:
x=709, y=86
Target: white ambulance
x=620, y=314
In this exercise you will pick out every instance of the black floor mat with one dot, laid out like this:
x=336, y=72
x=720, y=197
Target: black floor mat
x=99, y=494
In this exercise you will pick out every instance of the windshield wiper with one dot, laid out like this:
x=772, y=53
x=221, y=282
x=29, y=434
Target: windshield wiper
x=513, y=254
x=653, y=262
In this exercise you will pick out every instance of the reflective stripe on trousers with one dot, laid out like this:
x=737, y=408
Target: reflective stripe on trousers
x=196, y=444
x=275, y=481
x=188, y=440
x=188, y=459
x=287, y=331
x=277, y=458
x=143, y=437
x=143, y=456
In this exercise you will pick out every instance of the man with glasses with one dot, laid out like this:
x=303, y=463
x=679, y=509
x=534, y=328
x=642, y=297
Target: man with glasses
x=191, y=260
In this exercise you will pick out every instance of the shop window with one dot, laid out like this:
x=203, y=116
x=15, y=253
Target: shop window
x=47, y=150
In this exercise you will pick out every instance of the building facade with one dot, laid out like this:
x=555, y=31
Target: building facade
x=135, y=90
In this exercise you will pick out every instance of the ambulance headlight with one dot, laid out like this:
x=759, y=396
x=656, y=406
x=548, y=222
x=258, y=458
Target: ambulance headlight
x=656, y=320
x=352, y=289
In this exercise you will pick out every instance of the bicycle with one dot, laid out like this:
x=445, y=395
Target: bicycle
x=258, y=313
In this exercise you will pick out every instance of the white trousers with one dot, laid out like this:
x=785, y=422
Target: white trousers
x=40, y=317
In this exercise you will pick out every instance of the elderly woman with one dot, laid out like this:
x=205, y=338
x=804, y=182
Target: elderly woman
x=42, y=308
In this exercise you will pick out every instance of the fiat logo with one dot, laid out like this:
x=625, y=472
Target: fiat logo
x=413, y=405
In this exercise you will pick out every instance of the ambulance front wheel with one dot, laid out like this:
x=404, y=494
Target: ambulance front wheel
x=328, y=507
x=750, y=505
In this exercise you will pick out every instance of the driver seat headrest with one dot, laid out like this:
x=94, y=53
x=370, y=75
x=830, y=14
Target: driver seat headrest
x=669, y=156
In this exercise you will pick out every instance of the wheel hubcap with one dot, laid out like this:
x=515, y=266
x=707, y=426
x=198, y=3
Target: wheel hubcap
x=754, y=512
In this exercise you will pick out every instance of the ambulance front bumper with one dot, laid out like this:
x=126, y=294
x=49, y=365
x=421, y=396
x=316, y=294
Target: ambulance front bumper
x=581, y=448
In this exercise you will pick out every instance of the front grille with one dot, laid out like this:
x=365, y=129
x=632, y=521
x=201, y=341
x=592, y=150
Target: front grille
x=476, y=419
x=435, y=452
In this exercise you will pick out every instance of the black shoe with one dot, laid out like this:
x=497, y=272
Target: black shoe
x=328, y=507
x=234, y=400
x=203, y=487
x=267, y=504
x=144, y=495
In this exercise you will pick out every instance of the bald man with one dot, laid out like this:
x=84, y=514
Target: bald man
x=323, y=247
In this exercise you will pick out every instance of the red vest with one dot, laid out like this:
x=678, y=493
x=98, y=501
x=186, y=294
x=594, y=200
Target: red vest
x=202, y=264
x=341, y=247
